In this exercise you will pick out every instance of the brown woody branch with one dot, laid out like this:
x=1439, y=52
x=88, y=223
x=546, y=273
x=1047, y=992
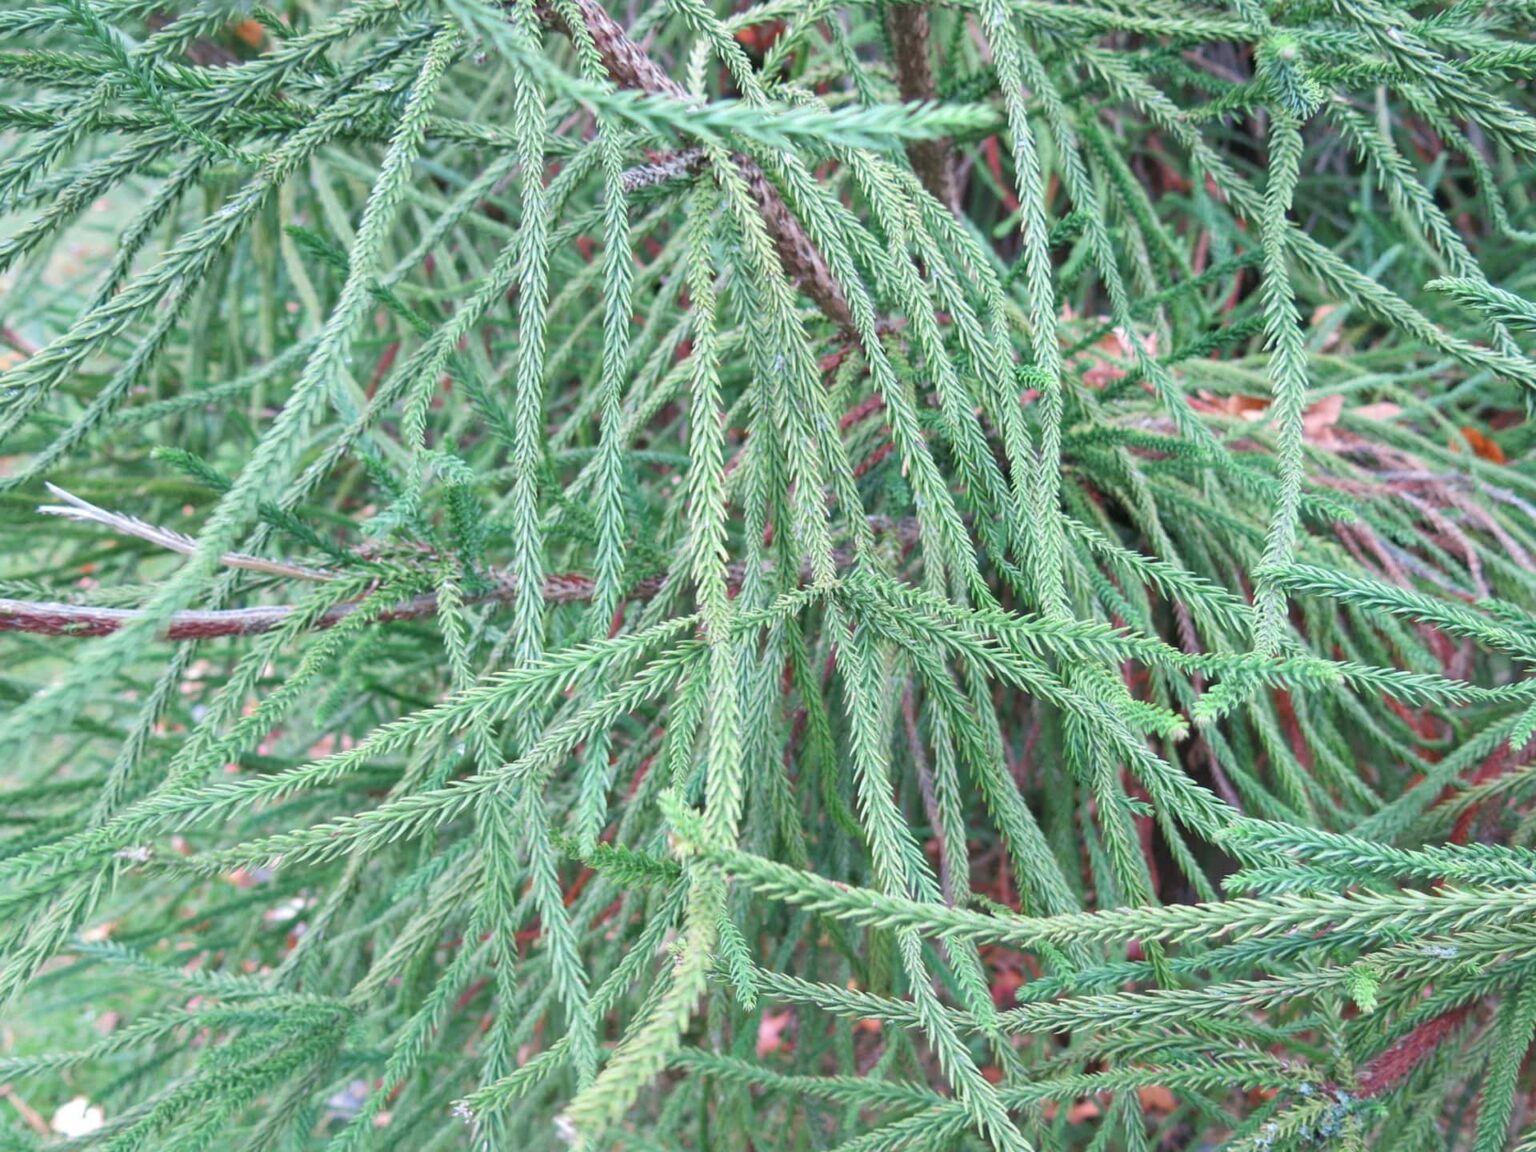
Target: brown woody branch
x=45, y=619
x=81, y=620
x=630, y=66
x=932, y=160
x=1392, y=1066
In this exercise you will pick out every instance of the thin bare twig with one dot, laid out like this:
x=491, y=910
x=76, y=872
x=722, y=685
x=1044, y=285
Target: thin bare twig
x=925, y=786
x=16, y=342
x=31, y=1116
x=84, y=512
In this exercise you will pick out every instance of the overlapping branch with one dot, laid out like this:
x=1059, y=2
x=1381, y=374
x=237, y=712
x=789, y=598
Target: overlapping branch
x=56, y=619
x=51, y=618
x=629, y=66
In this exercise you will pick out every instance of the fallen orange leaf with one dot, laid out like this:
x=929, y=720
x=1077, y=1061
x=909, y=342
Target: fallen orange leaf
x=1318, y=421
x=251, y=32
x=1319, y=315
x=759, y=38
x=1083, y=1110
x=1005, y=983
x=1382, y=410
x=1244, y=407
x=1103, y=369
x=1487, y=448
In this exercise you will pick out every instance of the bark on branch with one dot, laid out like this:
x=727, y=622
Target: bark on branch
x=629, y=66
x=42, y=618
x=932, y=160
x=45, y=619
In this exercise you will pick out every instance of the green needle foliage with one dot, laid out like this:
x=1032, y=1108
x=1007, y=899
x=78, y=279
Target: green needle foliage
x=779, y=576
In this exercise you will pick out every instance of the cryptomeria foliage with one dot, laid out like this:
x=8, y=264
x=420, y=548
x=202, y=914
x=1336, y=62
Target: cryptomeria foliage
x=807, y=575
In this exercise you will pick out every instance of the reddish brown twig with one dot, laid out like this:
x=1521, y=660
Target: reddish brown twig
x=31, y=1116
x=41, y=618
x=1392, y=1066
x=15, y=341
x=47, y=619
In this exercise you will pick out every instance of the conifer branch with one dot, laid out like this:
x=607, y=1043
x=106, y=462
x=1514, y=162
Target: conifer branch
x=201, y=51
x=807, y=736
x=630, y=67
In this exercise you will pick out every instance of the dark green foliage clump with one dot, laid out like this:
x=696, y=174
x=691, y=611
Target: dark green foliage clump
x=785, y=576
